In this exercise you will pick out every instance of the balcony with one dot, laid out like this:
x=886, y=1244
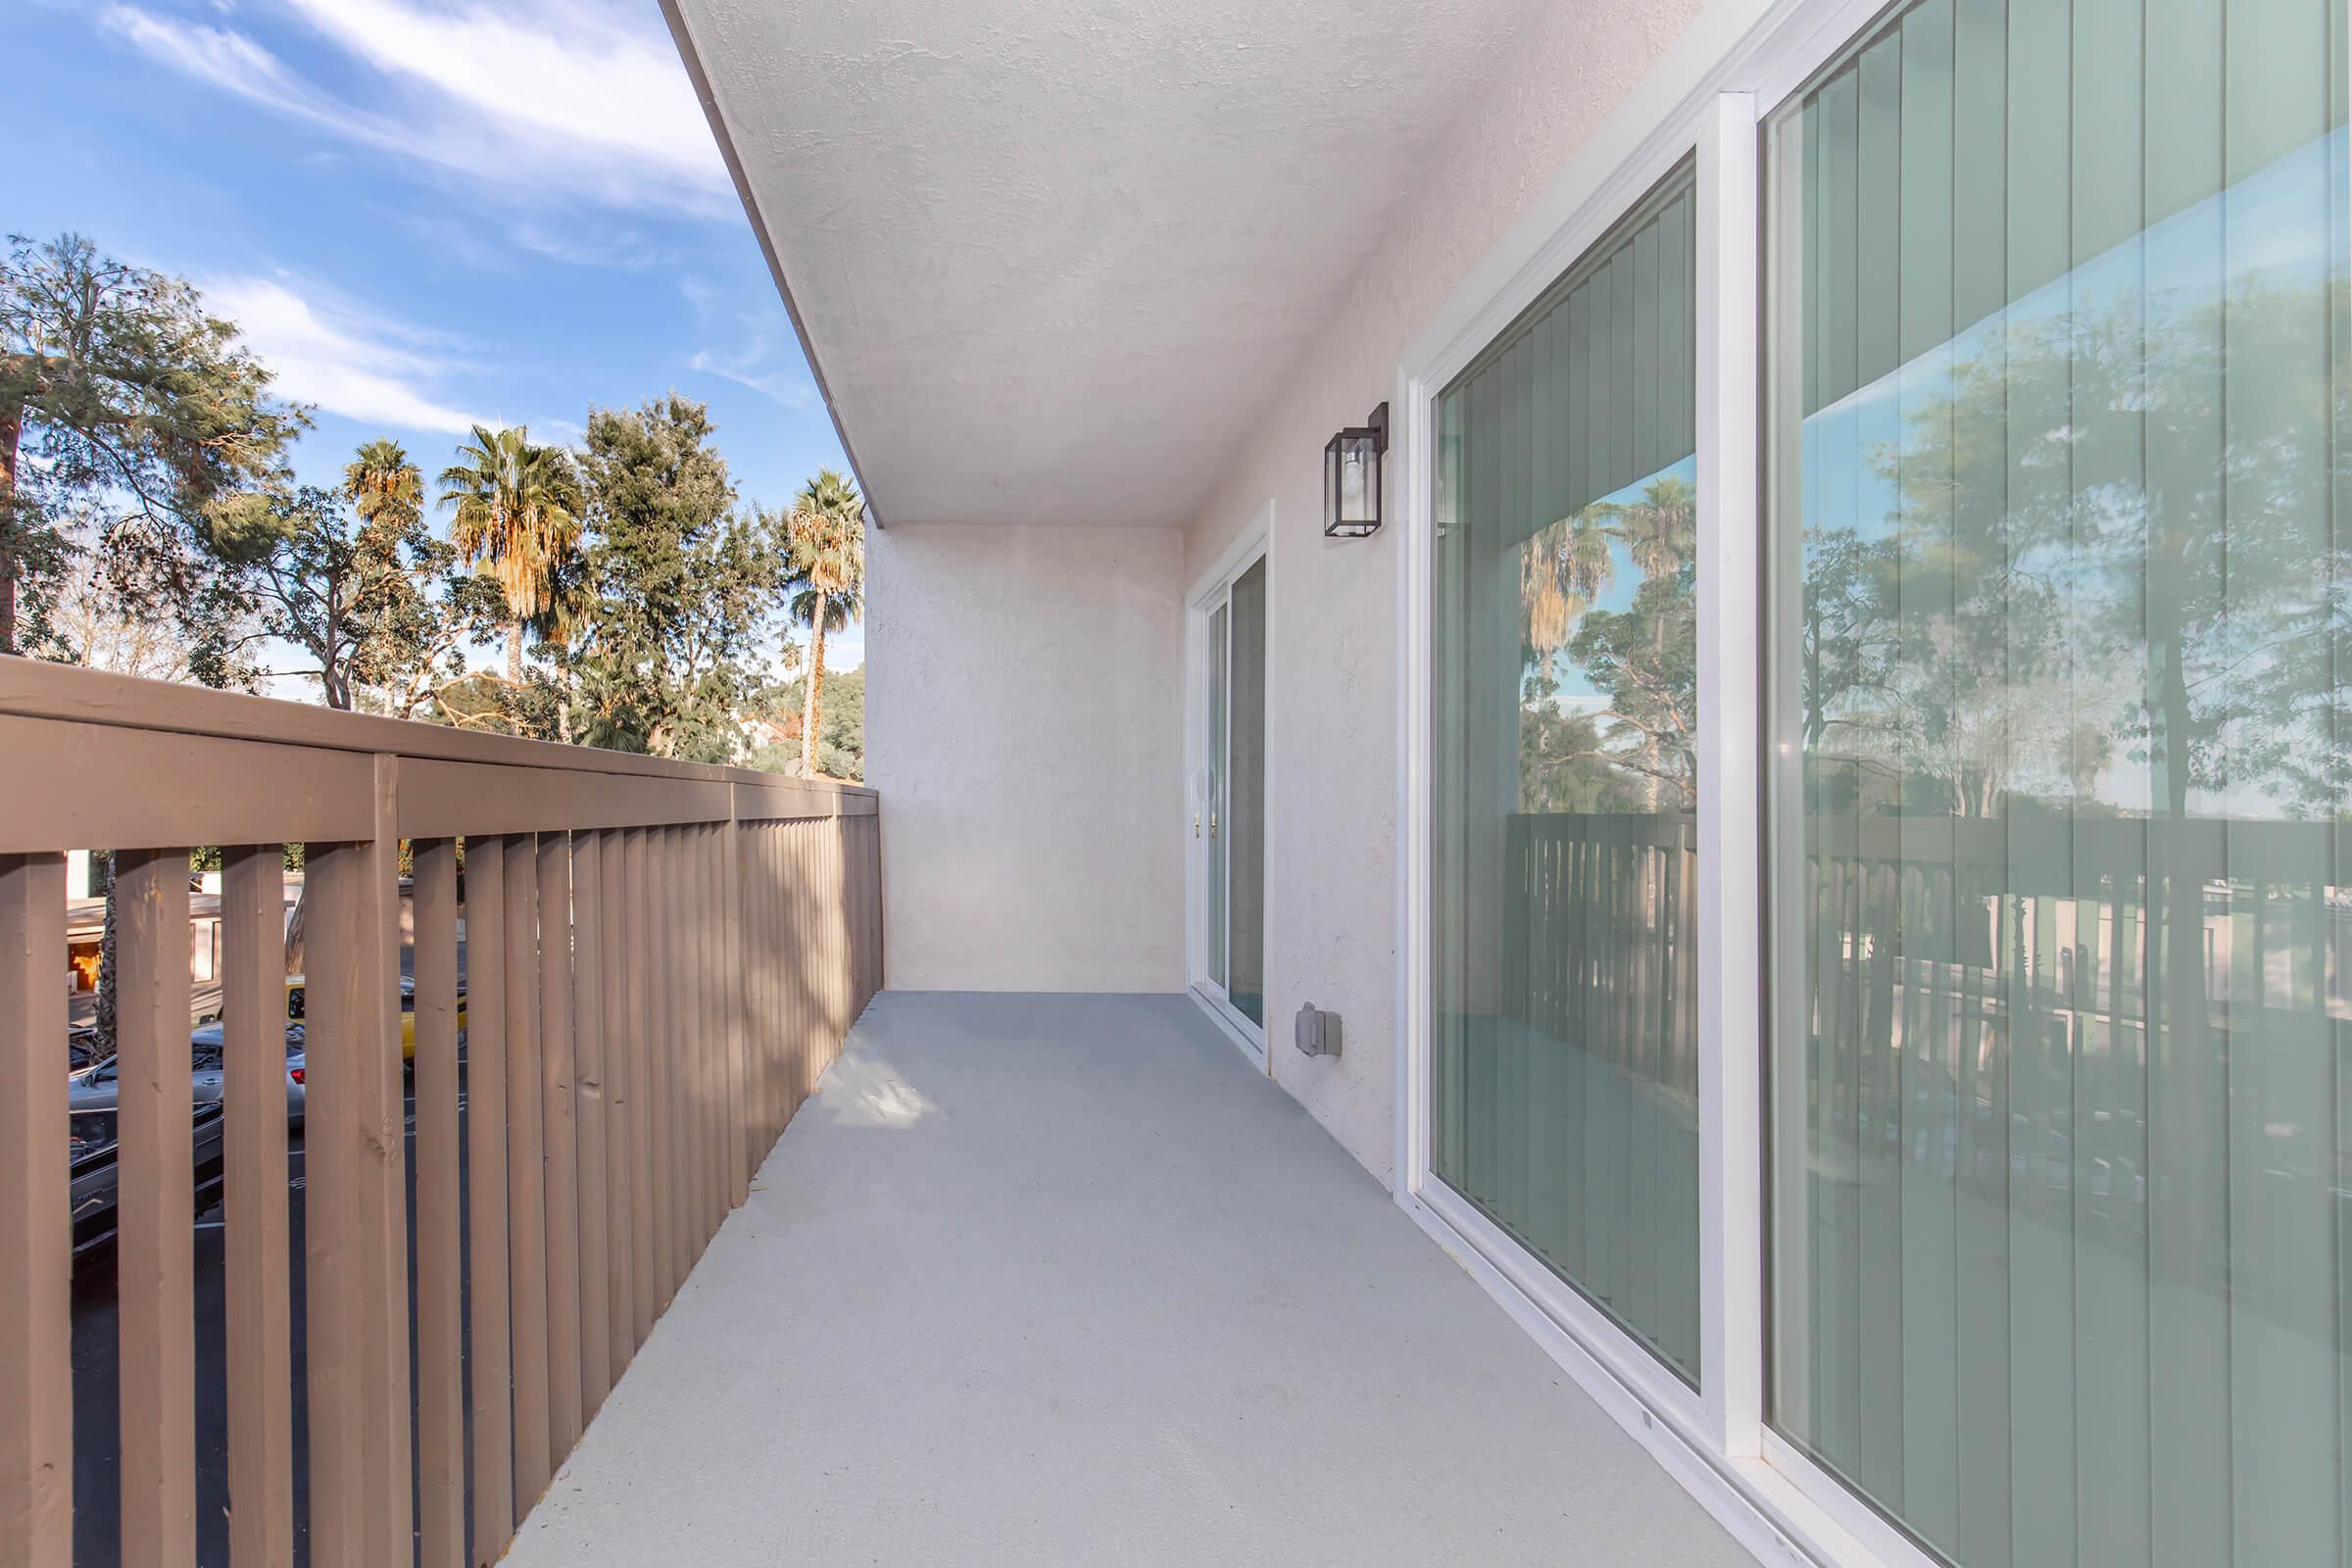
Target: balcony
x=1024, y=1278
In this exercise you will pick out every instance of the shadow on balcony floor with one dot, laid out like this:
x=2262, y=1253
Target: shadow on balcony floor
x=1061, y=1280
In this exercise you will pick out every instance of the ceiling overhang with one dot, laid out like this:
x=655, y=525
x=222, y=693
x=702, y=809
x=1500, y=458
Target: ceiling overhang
x=1047, y=258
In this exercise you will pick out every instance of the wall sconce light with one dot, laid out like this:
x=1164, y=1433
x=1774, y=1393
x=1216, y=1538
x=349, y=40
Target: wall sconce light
x=1351, y=478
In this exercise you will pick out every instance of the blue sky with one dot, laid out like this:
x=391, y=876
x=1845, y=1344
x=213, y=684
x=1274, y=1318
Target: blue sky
x=423, y=213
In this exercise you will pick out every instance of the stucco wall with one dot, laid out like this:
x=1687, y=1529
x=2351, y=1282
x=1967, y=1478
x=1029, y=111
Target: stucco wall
x=1332, y=730
x=1024, y=723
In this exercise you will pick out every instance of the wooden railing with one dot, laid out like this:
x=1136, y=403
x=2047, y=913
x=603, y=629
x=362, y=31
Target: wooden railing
x=1604, y=913
x=658, y=961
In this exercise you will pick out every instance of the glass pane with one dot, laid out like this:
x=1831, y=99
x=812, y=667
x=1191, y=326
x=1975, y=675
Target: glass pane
x=1219, y=677
x=1246, y=850
x=1564, y=699
x=2061, y=799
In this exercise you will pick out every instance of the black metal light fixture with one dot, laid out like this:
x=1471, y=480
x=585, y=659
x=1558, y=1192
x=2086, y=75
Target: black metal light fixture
x=1351, y=478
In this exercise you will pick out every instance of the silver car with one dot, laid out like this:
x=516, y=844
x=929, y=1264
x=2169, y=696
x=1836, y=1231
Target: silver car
x=96, y=1171
x=101, y=1088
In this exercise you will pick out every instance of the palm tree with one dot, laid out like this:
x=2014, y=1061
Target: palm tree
x=382, y=483
x=1566, y=566
x=516, y=520
x=1660, y=529
x=825, y=547
x=1569, y=564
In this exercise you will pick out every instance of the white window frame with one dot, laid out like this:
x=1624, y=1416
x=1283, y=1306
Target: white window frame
x=1253, y=543
x=1708, y=96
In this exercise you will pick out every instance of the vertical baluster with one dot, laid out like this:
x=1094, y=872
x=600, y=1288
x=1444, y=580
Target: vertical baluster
x=440, y=1236
x=643, y=1101
x=695, y=1040
x=36, y=1387
x=852, y=941
x=486, y=1178
x=869, y=906
x=257, y=1223
x=852, y=927
x=253, y=1018
x=591, y=1114
x=732, y=843
x=845, y=962
x=799, y=954
x=819, y=936
x=662, y=1057
x=356, y=1197
x=881, y=916
x=386, y=1448
x=784, y=982
x=791, y=961
x=788, y=962
x=714, y=1025
x=561, y=1147
x=154, y=1249
x=527, y=1186
x=770, y=1006
x=619, y=1107
x=771, y=994
x=860, y=904
x=678, y=1054
x=858, y=910
x=331, y=1222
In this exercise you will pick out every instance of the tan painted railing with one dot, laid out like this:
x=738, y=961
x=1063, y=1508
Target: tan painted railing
x=621, y=1087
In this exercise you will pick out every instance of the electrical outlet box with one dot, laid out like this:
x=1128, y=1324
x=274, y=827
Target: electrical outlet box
x=1318, y=1031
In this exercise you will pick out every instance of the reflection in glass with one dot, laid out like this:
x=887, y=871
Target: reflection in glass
x=1246, y=844
x=1564, y=701
x=2060, y=805
x=1219, y=753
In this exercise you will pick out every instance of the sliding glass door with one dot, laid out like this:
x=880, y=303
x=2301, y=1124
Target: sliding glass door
x=1564, y=781
x=1229, y=828
x=2061, y=807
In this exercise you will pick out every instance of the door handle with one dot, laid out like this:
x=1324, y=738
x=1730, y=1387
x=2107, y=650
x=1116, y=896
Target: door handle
x=1196, y=823
x=1213, y=824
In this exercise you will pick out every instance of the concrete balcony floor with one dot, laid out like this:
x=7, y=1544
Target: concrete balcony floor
x=1062, y=1280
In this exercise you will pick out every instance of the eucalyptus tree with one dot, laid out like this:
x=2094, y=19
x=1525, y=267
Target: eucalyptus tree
x=126, y=405
x=682, y=586
x=826, y=534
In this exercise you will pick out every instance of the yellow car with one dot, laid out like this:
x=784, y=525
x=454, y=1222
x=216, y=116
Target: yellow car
x=408, y=1012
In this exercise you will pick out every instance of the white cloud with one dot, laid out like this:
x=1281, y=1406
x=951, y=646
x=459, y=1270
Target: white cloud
x=754, y=333
x=216, y=55
x=564, y=101
x=750, y=369
x=327, y=354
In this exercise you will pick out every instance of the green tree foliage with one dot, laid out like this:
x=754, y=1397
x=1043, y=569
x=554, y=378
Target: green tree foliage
x=125, y=405
x=516, y=520
x=485, y=701
x=324, y=580
x=1638, y=752
x=354, y=579
x=416, y=633
x=682, y=587
x=827, y=547
x=2027, y=614
x=840, y=736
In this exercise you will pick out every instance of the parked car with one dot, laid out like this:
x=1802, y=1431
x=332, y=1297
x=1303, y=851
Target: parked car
x=94, y=1144
x=297, y=1000
x=100, y=1088
x=81, y=1049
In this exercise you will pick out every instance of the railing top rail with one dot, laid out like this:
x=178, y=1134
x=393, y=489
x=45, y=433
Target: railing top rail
x=34, y=689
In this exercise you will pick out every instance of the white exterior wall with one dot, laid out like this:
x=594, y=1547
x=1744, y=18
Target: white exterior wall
x=1024, y=723
x=1331, y=840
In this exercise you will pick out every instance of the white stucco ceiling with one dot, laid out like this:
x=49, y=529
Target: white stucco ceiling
x=1050, y=257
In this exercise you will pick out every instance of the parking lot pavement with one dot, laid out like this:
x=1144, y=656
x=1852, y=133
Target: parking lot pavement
x=97, y=1431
